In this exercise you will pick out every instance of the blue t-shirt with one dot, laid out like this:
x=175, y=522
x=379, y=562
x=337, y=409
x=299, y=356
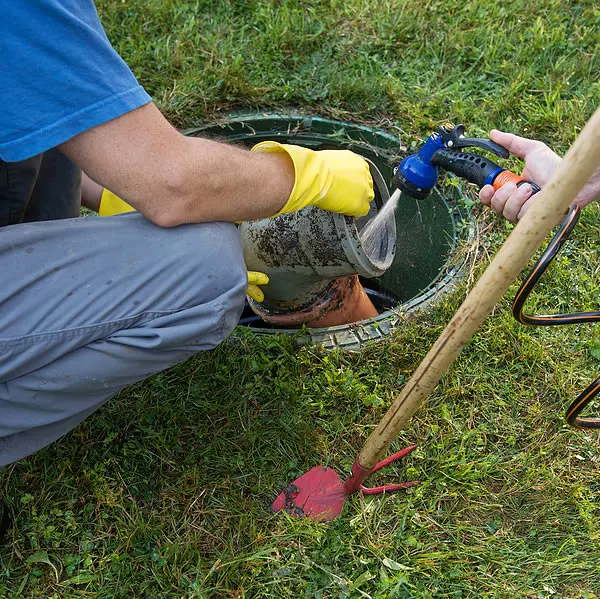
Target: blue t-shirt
x=59, y=75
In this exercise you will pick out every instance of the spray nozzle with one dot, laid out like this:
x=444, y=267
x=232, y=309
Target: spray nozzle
x=417, y=174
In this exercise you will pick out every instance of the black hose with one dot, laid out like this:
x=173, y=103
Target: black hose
x=588, y=394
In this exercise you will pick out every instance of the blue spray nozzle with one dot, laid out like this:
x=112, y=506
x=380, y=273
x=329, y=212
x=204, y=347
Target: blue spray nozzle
x=416, y=175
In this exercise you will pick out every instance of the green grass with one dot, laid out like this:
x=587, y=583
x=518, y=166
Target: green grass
x=164, y=492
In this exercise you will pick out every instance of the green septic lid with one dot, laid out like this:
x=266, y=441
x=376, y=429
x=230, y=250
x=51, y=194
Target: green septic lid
x=427, y=231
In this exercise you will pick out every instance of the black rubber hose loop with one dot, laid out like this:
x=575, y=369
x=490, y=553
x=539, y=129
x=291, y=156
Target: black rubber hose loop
x=588, y=394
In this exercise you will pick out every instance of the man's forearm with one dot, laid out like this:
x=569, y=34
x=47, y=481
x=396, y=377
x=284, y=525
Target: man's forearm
x=174, y=179
x=91, y=193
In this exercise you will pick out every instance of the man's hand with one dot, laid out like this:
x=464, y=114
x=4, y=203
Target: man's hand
x=335, y=180
x=255, y=279
x=540, y=162
x=112, y=204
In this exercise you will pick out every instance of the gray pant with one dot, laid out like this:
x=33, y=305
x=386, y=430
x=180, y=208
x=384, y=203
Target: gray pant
x=91, y=305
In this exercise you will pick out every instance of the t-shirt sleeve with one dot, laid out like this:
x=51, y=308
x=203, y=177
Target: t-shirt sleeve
x=59, y=76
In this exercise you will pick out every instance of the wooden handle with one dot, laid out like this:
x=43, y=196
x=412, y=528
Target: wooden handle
x=550, y=204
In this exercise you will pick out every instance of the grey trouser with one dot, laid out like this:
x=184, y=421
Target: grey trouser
x=91, y=305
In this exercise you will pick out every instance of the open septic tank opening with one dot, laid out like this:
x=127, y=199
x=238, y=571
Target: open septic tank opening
x=428, y=232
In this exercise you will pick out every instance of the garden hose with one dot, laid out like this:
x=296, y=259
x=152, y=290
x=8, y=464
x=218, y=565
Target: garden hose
x=588, y=394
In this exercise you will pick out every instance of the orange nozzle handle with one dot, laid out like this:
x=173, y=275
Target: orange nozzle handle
x=505, y=177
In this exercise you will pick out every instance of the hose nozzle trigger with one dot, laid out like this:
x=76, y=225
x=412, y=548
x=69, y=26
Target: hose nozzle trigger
x=454, y=137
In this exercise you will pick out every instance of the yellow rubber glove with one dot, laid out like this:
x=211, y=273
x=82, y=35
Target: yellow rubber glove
x=111, y=204
x=254, y=280
x=335, y=180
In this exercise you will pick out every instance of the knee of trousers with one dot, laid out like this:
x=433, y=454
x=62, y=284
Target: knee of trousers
x=212, y=268
x=133, y=283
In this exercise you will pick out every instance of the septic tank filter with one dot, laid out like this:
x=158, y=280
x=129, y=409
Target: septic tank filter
x=313, y=258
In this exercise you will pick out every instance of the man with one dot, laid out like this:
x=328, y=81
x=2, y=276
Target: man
x=88, y=306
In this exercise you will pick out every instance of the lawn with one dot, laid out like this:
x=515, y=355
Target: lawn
x=164, y=492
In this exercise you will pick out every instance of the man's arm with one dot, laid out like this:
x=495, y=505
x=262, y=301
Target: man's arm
x=91, y=193
x=173, y=179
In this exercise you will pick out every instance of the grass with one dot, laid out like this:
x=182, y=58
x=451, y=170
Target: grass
x=164, y=492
